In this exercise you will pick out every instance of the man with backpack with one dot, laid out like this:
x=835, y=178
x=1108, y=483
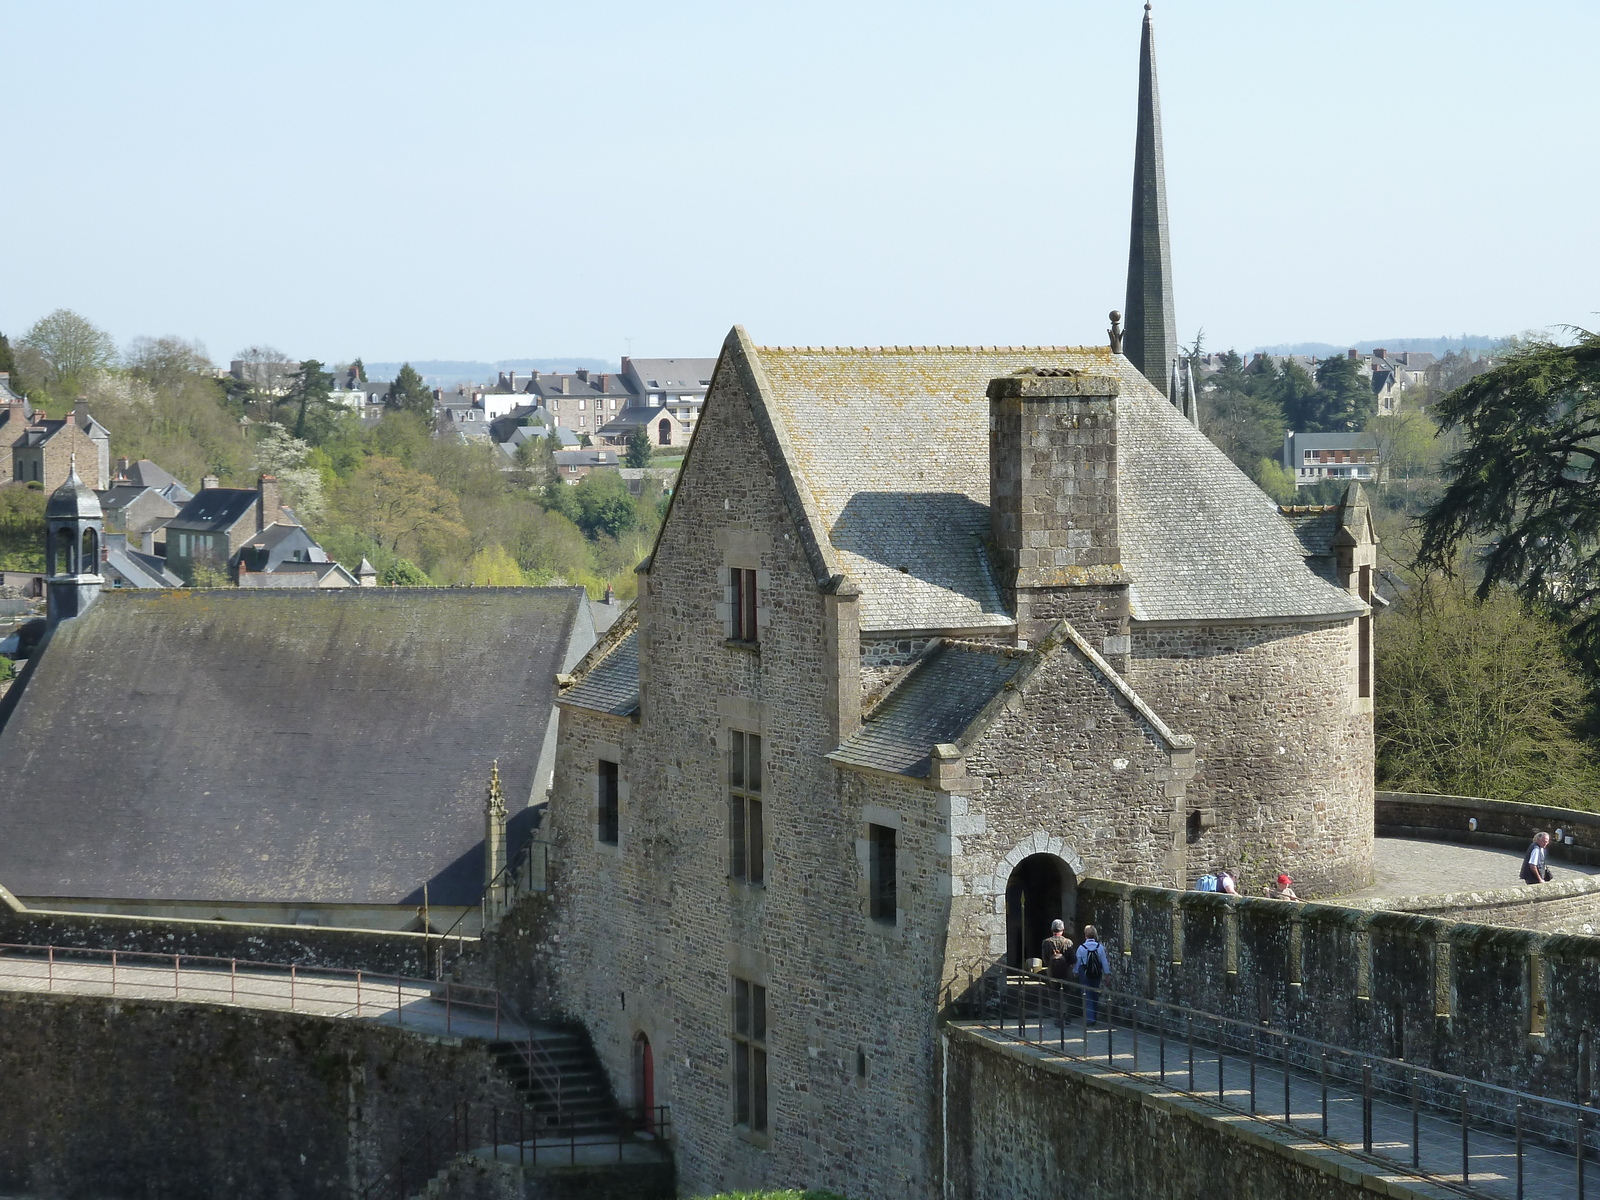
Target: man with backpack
x=1055, y=950
x=1091, y=972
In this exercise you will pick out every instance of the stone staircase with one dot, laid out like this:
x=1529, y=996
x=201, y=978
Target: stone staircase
x=561, y=1079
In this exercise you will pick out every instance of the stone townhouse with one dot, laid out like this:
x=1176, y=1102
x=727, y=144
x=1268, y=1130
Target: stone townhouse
x=884, y=699
x=38, y=449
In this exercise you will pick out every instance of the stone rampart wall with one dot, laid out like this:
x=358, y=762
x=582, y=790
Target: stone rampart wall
x=379, y=951
x=142, y=1099
x=1020, y=1128
x=1504, y=824
x=1508, y=1006
x=1569, y=905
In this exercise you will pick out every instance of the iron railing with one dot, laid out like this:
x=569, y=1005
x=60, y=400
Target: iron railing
x=526, y=872
x=1428, y=1122
x=511, y=1135
x=326, y=991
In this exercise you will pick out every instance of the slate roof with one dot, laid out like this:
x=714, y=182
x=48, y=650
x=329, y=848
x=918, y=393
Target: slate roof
x=889, y=448
x=215, y=509
x=296, y=746
x=119, y=496
x=610, y=684
x=938, y=700
x=140, y=570
x=145, y=473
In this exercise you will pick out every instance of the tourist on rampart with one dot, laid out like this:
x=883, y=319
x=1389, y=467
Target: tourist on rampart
x=1227, y=883
x=1091, y=972
x=1534, y=868
x=1283, y=889
x=1056, y=951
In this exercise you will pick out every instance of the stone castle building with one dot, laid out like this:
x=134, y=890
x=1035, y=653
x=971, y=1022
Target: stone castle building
x=882, y=701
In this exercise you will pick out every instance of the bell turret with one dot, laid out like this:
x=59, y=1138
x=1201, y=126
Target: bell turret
x=74, y=531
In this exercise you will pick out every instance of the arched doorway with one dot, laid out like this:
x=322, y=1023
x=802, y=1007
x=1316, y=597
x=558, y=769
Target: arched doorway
x=664, y=432
x=644, y=1082
x=1041, y=889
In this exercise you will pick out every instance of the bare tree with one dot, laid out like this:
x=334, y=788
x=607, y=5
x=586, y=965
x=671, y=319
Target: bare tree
x=165, y=362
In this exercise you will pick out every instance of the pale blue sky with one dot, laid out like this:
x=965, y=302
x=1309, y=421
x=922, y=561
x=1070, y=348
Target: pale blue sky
x=488, y=180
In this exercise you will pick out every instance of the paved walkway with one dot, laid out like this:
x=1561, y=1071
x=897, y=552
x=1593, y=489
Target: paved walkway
x=1547, y=1173
x=1407, y=867
x=409, y=1003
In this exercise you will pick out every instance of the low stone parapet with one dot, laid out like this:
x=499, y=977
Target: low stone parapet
x=1477, y=821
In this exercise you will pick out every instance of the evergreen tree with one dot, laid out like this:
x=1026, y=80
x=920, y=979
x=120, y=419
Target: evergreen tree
x=1242, y=417
x=360, y=370
x=405, y=573
x=409, y=394
x=1296, y=394
x=639, y=448
x=8, y=362
x=310, y=390
x=1345, y=401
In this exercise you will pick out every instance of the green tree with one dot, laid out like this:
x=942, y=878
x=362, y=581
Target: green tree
x=1343, y=401
x=1524, y=487
x=1478, y=698
x=492, y=566
x=605, y=504
x=309, y=392
x=639, y=448
x=409, y=394
x=404, y=511
x=1296, y=393
x=69, y=348
x=405, y=573
x=361, y=370
x=1241, y=416
x=8, y=363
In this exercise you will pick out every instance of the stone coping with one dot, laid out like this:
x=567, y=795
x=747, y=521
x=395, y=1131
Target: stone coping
x=1517, y=895
x=1505, y=824
x=1273, y=1139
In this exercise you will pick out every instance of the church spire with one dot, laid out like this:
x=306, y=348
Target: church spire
x=1151, y=340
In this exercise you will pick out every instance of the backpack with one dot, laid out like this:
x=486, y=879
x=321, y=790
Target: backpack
x=1056, y=953
x=1206, y=883
x=1093, y=970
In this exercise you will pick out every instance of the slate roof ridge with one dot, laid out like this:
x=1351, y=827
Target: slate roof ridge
x=1059, y=638
x=951, y=349
x=627, y=622
x=741, y=353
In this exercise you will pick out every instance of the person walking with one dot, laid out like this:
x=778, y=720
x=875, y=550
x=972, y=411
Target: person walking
x=1056, y=951
x=1091, y=971
x=1534, y=868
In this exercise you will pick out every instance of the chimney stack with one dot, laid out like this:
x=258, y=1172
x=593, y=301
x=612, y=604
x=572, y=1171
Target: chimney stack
x=1053, y=503
x=209, y=481
x=269, y=499
x=1380, y=352
x=1353, y=356
x=583, y=374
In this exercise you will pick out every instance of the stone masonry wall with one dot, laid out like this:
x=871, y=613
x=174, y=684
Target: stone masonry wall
x=1283, y=756
x=143, y=1099
x=306, y=946
x=1070, y=769
x=653, y=931
x=1453, y=997
x=1024, y=1129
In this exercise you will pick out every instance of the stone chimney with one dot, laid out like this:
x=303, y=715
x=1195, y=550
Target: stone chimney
x=582, y=373
x=209, y=481
x=122, y=468
x=1380, y=352
x=268, y=500
x=1053, y=503
x=1353, y=355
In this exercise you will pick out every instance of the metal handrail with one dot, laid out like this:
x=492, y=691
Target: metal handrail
x=198, y=977
x=468, y=1125
x=506, y=880
x=1516, y=1115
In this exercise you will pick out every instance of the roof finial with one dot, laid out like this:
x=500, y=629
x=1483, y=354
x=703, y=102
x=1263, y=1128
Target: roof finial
x=1115, y=332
